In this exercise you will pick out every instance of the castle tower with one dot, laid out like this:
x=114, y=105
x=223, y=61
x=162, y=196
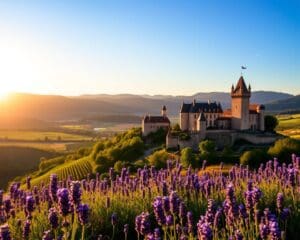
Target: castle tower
x=201, y=125
x=240, y=97
x=164, y=111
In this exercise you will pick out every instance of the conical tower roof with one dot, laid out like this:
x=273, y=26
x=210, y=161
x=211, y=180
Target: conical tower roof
x=241, y=88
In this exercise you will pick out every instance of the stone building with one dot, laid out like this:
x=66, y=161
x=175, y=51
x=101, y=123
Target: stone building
x=153, y=123
x=207, y=120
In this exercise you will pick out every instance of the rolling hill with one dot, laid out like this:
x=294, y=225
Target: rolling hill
x=285, y=105
x=56, y=108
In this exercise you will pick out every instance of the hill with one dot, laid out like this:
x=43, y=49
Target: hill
x=45, y=108
x=290, y=104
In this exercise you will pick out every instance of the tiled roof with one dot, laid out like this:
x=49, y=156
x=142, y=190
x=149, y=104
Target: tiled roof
x=241, y=86
x=156, y=119
x=205, y=107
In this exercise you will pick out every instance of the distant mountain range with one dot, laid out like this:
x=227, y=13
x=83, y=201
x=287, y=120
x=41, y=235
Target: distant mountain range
x=57, y=108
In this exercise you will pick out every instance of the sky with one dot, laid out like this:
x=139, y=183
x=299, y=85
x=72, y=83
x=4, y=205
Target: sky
x=148, y=46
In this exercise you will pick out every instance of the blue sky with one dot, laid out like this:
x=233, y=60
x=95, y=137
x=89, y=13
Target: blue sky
x=148, y=46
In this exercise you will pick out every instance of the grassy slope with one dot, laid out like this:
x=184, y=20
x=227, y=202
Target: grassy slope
x=16, y=161
x=289, y=125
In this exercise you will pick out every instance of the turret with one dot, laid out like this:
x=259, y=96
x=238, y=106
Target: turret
x=164, y=111
x=261, y=117
x=201, y=125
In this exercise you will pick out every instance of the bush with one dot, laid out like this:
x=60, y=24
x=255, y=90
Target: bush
x=254, y=158
x=187, y=157
x=283, y=148
x=207, y=146
x=271, y=123
x=159, y=159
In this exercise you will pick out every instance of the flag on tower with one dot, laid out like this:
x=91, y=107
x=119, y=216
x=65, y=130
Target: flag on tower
x=243, y=67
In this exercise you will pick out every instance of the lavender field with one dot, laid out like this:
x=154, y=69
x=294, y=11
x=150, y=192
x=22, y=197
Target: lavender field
x=165, y=204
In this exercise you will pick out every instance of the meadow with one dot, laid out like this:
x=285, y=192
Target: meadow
x=289, y=125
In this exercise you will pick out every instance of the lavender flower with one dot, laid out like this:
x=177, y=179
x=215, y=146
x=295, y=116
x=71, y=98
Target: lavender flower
x=204, y=231
x=53, y=218
x=279, y=201
x=53, y=187
x=114, y=219
x=143, y=224
x=83, y=213
x=158, y=211
x=4, y=232
x=75, y=192
x=63, y=201
x=47, y=235
x=29, y=204
x=26, y=229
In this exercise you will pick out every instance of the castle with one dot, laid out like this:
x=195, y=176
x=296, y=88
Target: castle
x=210, y=115
x=207, y=120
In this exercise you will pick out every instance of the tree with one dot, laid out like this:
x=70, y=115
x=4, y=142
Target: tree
x=187, y=157
x=159, y=159
x=271, y=123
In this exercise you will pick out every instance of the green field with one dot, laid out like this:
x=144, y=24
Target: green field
x=18, y=161
x=41, y=136
x=289, y=125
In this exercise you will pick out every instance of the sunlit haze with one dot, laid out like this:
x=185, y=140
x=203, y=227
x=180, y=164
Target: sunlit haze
x=148, y=47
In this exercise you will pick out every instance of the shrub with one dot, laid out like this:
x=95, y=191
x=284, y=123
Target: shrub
x=159, y=159
x=187, y=157
x=283, y=148
x=207, y=146
x=253, y=158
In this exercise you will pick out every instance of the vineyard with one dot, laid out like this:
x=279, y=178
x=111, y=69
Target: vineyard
x=77, y=169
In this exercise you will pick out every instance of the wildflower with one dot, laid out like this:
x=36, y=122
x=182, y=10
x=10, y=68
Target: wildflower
x=83, y=213
x=29, y=204
x=204, y=231
x=26, y=229
x=63, y=201
x=114, y=219
x=53, y=187
x=279, y=201
x=4, y=232
x=53, y=218
x=158, y=211
x=75, y=192
x=47, y=235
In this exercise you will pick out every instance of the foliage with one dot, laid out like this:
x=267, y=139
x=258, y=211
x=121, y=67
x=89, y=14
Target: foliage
x=187, y=157
x=227, y=155
x=159, y=158
x=283, y=148
x=157, y=137
x=207, y=146
x=207, y=151
x=270, y=123
x=253, y=158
